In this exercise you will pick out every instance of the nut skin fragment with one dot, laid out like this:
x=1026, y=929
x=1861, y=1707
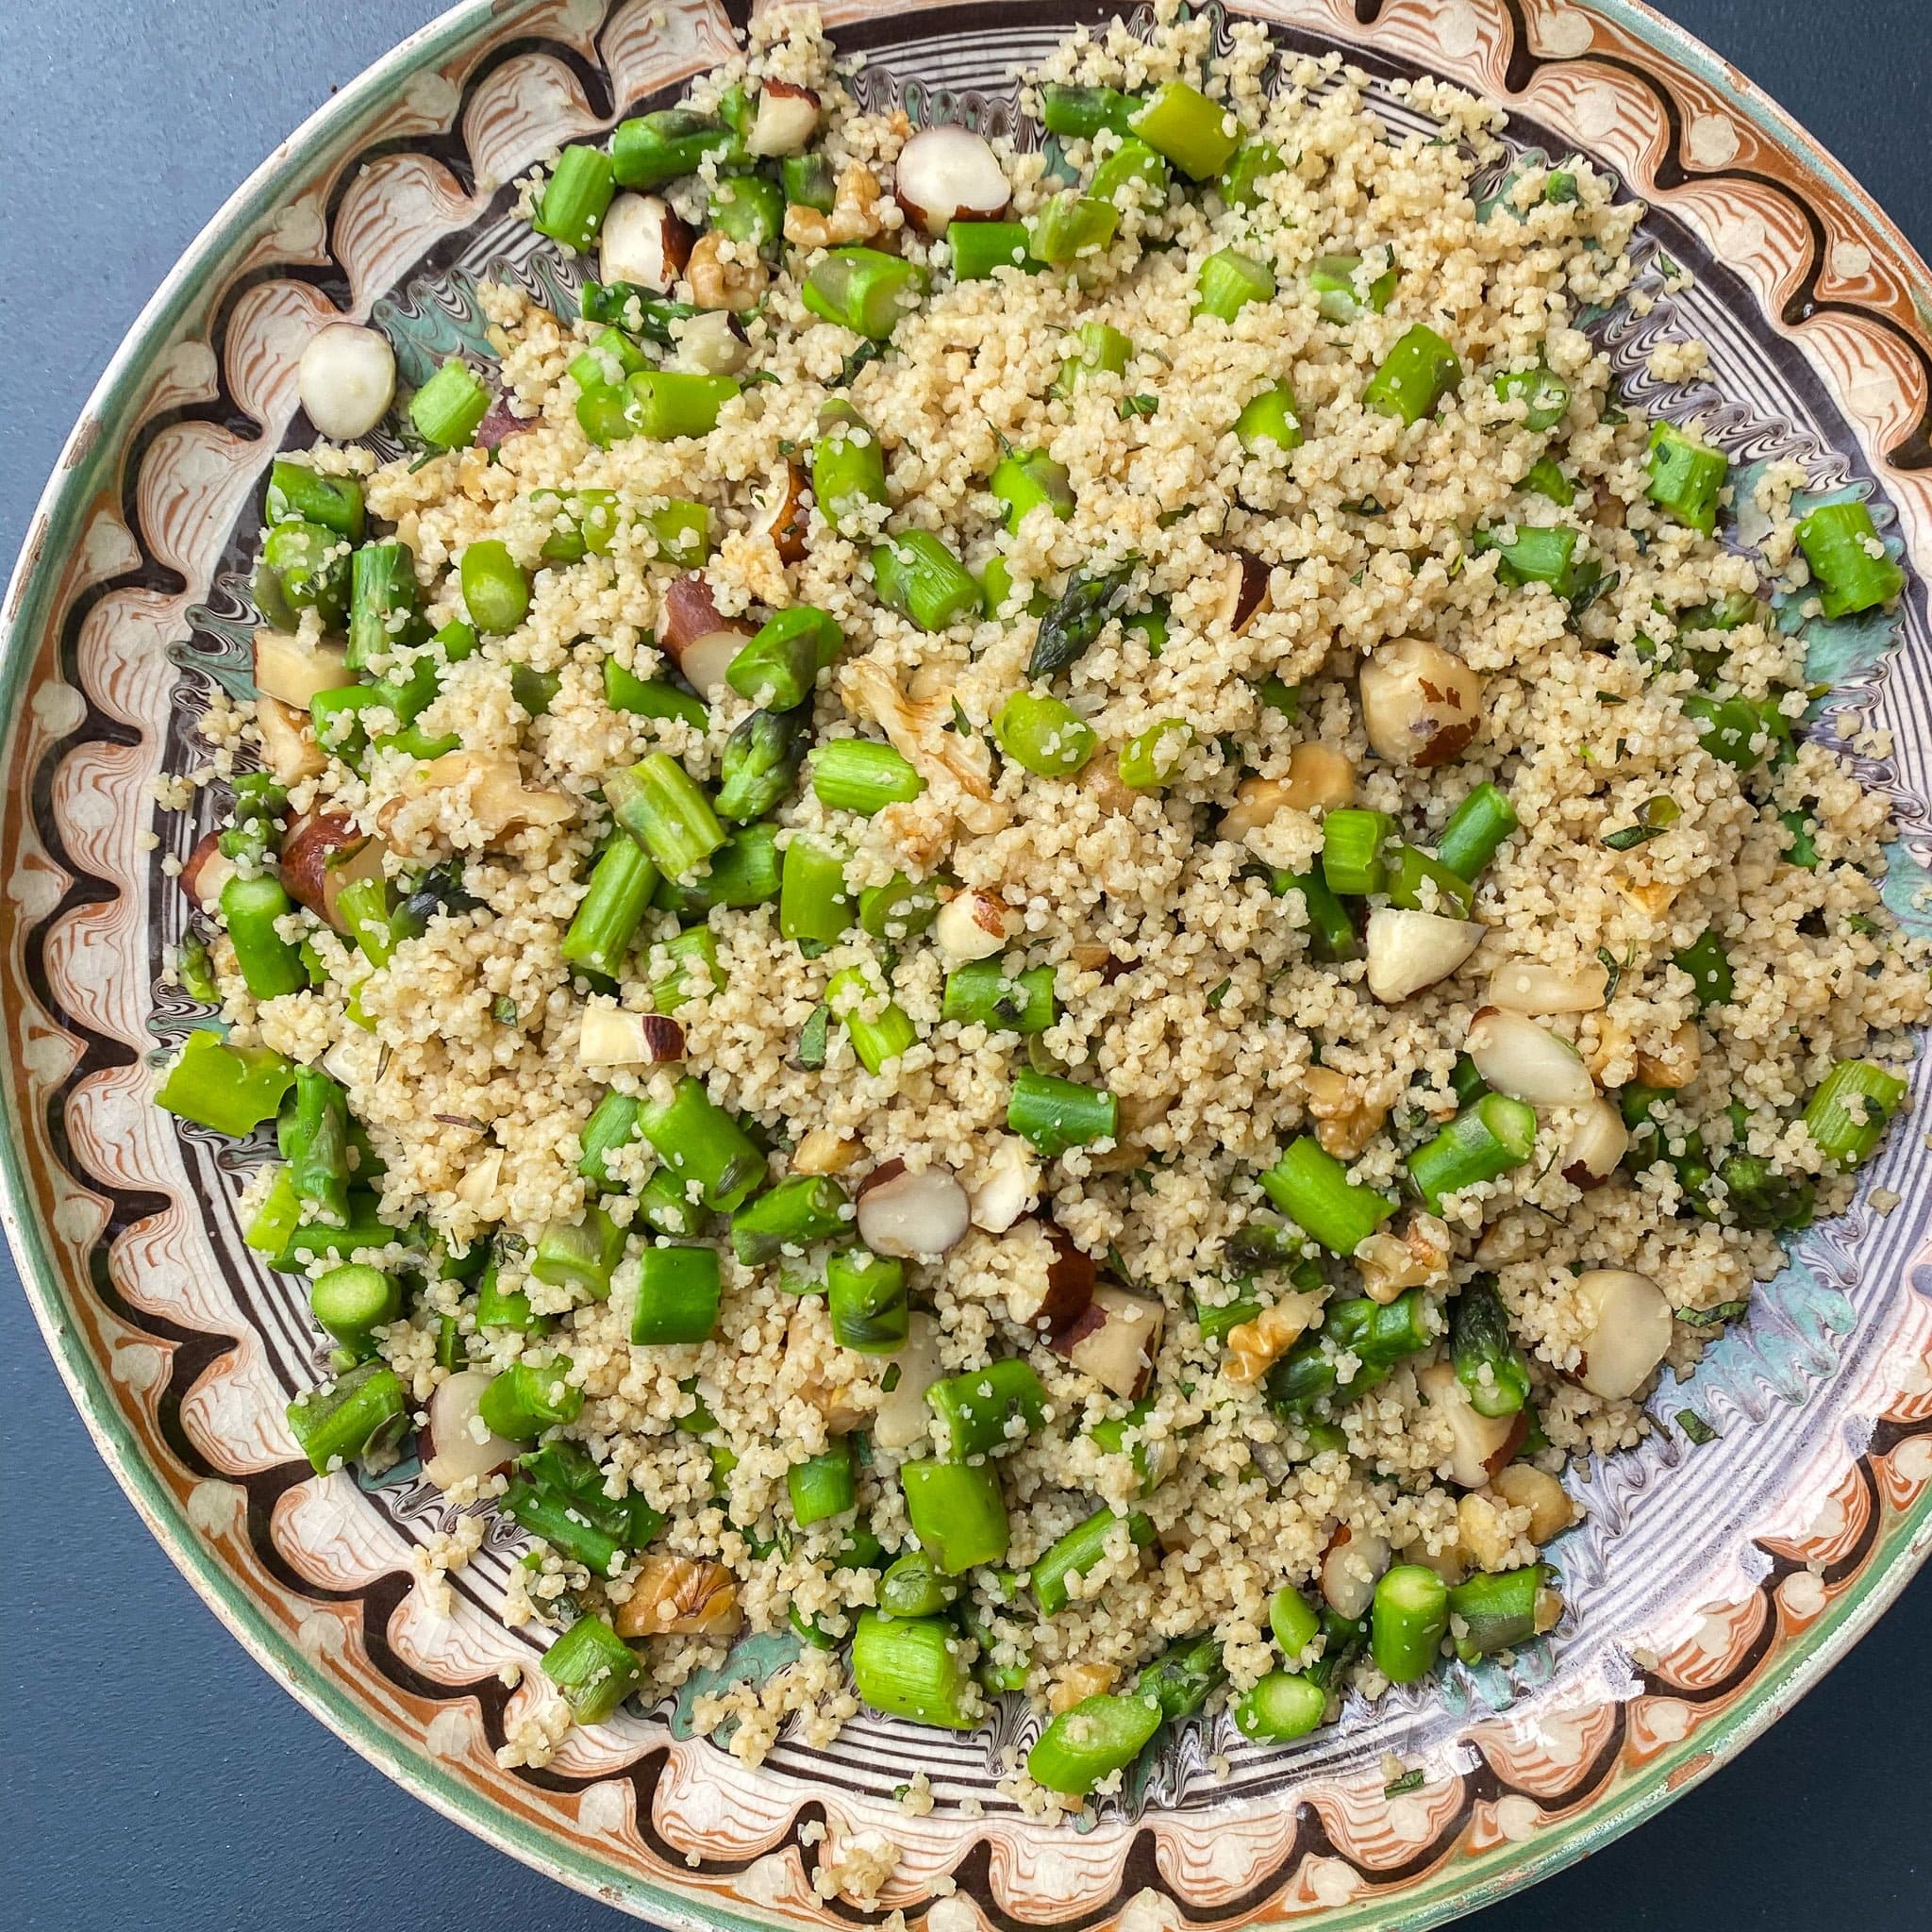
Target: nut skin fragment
x=825, y=1150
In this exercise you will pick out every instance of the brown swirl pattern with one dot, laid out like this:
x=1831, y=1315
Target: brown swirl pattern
x=176, y=1353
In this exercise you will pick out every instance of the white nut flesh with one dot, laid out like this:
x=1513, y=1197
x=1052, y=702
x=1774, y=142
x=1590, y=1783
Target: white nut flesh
x=610, y=1036
x=915, y=1216
x=902, y=1419
x=949, y=174
x=1597, y=1142
x=1526, y=1061
x=296, y=672
x=786, y=119
x=708, y=658
x=465, y=1448
x=1008, y=1186
x=1628, y=1333
x=713, y=343
x=1526, y=986
x=1115, y=1339
x=1480, y=1444
x=642, y=242
x=970, y=926
x=1408, y=951
x=206, y=871
x=1526, y=1487
x=1350, y=1570
x=346, y=381
x=287, y=747
x=1420, y=705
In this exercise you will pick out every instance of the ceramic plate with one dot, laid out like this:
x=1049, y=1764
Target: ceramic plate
x=1708, y=1587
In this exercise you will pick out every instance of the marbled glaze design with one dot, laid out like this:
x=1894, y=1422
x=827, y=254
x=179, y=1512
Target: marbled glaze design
x=1708, y=1587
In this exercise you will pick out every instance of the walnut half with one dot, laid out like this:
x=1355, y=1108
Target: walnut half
x=680, y=1596
x=1417, y=1257
x=716, y=282
x=1346, y=1119
x=1255, y=1346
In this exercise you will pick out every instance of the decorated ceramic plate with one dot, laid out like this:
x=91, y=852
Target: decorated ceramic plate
x=1709, y=1590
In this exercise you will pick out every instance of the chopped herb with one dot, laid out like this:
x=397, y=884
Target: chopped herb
x=1696, y=1428
x=1408, y=1781
x=961, y=723
x=1653, y=816
x=1614, y=967
x=503, y=1009
x=1138, y=406
x=1118, y=1262
x=1220, y=993
x=889, y=1380
x=1591, y=582
x=811, y=1039
x=867, y=352
x=1710, y=1318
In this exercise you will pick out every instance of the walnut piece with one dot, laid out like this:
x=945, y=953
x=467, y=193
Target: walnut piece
x=1255, y=1346
x=680, y=1596
x=1417, y=1257
x=1346, y=1119
x=1082, y=1681
x=717, y=283
x=854, y=217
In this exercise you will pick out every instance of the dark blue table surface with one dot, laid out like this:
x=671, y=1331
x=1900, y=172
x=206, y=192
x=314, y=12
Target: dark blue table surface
x=152, y=1779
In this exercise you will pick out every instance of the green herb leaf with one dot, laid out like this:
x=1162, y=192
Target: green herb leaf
x=867, y=352
x=1710, y=1318
x=1408, y=1781
x=1653, y=816
x=811, y=1039
x=1138, y=406
x=503, y=1009
x=1693, y=1425
x=1591, y=582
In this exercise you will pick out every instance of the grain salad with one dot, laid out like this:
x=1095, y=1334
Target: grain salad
x=1043, y=911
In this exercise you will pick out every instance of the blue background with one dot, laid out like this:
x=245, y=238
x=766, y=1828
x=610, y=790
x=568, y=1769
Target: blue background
x=152, y=1776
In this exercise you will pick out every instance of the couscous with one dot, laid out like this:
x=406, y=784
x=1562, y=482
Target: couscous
x=1046, y=910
